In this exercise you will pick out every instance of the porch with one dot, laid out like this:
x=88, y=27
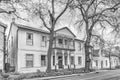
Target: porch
x=62, y=59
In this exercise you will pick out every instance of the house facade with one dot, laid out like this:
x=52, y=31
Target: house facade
x=102, y=59
x=2, y=44
x=28, y=46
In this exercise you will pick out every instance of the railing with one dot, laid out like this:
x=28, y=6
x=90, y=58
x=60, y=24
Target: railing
x=63, y=46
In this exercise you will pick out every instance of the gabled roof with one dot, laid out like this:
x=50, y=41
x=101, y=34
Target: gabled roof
x=30, y=28
x=67, y=29
x=79, y=40
x=3, y=25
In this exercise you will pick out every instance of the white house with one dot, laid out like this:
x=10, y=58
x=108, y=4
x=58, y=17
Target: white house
x=27, y=49
x=2, y=44
x=102, y=59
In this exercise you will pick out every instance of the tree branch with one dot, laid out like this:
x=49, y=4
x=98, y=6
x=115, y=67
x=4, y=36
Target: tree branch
x=67, y=4
x=44, y=23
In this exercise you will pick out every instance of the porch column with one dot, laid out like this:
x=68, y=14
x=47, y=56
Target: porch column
x=55, y=59
x=63, y=58
x=68, y=52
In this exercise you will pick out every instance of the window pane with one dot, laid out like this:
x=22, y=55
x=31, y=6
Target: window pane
x=43, y=38
x=60, y=41
x=29, y=60
x=106, y=62
x=53, y=60
x=43, y=60
x=29, y=40
x=72, y=60
x=79, y=60
x=29, y=36
x=96, y=62
x=44, y=42
x=65, y=60
x=66, y=42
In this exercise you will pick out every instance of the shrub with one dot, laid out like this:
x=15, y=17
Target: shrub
x=117, y=67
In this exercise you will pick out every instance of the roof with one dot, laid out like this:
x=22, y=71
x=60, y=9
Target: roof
x=3, y=25
x=67, y=29
x=30, y=28
x=79, y=40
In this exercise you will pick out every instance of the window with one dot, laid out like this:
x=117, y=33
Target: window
x=60, y=41
x=53, y=60
x=12, y=41
x=72, y=60
x=79, y=46
x=106, y=63
x=43, y=60
x=71, y=42
x=65, y=60
x=29, y=39
x=96, y=62
x=44, y=43
x=43, y=38
x=66, y=42
x=79, y=60
x=29, y=60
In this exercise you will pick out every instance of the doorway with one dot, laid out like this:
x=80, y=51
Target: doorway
x=101, y=64
x=60, y=62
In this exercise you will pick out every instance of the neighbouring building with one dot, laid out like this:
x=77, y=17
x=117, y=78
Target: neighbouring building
x=101, y=59
x=28, y=46
x=2, y=45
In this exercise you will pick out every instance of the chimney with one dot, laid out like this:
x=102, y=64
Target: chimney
x=13, y=20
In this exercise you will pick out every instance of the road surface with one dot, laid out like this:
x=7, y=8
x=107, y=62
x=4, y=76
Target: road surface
x=93, y=76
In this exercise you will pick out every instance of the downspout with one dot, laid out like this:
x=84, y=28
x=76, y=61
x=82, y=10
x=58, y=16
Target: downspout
x=16, y=56
x=4, y=50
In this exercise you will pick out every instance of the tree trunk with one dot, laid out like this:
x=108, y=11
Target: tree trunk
x=87, y=58
x=50, y=51
x=87, y=53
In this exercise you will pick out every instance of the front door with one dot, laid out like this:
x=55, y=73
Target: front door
x=101, y=64
x=60, y=62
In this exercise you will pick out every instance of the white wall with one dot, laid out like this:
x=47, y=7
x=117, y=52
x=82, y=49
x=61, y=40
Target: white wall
x=1, y=46
x=79, y=53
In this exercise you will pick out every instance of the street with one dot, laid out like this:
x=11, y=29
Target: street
x=92, y=76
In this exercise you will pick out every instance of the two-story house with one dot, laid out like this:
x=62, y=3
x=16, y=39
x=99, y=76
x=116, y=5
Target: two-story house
x=28, y=46
x=2, y=44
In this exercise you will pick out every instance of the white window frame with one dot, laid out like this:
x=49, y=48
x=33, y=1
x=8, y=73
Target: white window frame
x=45, y=62
x=29, y=41
x=29, y=60
x=44, y=43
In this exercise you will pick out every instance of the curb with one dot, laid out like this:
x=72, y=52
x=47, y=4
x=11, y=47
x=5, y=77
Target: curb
x=55, y=77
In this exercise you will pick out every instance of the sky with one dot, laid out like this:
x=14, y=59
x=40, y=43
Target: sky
x=67, y=20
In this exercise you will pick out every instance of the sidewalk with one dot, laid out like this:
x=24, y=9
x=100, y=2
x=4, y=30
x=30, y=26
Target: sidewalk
x=62, y=76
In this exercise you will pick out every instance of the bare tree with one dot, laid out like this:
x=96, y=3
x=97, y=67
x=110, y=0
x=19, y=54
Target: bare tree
x=49, y=12
x=95, y=12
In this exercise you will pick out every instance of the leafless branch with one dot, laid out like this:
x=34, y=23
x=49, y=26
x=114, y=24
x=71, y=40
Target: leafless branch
x=67, y=4
x=43, y=20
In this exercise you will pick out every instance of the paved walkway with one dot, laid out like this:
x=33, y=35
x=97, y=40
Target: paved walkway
x=62, y=76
